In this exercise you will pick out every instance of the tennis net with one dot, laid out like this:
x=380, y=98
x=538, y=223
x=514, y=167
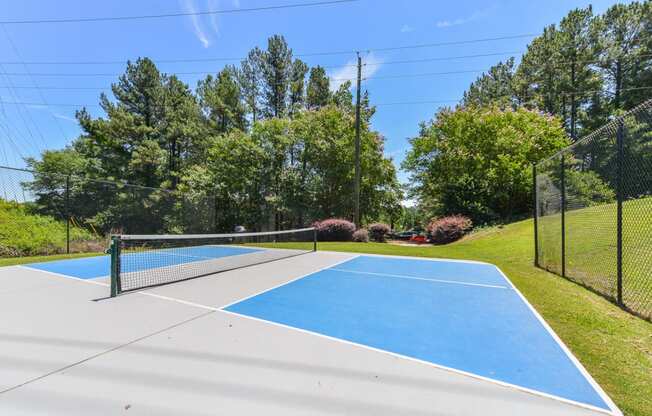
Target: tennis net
x=141, y=261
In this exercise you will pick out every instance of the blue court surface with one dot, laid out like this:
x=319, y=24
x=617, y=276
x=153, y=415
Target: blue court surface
x=100, y=266
x=464, y=316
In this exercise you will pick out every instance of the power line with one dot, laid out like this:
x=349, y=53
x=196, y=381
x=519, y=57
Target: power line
x=179, y=14
x=323, y=53
x=192, y=60
x=40, y=92
x=426, y=74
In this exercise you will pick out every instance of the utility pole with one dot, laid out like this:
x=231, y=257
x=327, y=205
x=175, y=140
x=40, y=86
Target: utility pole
x=356, y=186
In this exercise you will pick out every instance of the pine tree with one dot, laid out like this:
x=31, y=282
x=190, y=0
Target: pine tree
x=622, y=36
x=221, y=100
x=318, y=93
x=250, y=78
x=493, y=87
x=298, y=86
x=277, y=71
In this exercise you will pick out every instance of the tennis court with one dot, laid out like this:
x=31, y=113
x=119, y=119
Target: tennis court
x=281, y=329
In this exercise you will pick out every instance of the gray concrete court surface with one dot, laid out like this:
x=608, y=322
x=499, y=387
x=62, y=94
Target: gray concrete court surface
x=67, y=350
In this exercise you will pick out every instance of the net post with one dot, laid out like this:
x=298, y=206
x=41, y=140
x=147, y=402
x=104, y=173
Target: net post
x=535, y=215
x=314, y=239
x=619, y=211
x=115, y=266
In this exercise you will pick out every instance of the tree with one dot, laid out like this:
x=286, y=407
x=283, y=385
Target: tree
x=221, y=100
x=297, y=86
x=250, y=79
x=577, y=43
x=493, y=88
x=182, y=128
x=477, y=162
x=318, y=93
x=342, y=98
x=535, y=81
x=276, y=70
x=623, y=50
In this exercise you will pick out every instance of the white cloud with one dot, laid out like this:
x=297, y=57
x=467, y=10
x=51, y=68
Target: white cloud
x=189, y=7
x=370, y=65
x=461, y=20
x=406, y=29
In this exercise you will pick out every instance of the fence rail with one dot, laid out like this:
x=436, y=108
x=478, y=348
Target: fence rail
x=593, y=211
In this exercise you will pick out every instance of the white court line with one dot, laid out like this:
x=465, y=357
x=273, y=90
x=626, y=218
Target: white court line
x=400, y=276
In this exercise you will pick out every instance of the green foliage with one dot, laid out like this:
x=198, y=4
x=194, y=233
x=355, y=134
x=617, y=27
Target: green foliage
x=221, y=101
x=318, y=88
x=254, y=146
x=477, y=162
x=23, y=233
x=587, y=189
x=493, y=88
x=582, y=70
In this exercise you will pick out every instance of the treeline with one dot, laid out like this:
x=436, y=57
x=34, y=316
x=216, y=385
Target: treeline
x=476, y=159
x=266, y=144
x=584, y=70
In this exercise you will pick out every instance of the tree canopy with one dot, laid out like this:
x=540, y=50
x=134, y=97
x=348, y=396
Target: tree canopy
x=260, y=144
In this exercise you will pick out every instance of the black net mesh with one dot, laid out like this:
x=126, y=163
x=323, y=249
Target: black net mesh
x=637, y=210
x=610, y=165
x=590, y=215
x=141, y=261
x=548, y=209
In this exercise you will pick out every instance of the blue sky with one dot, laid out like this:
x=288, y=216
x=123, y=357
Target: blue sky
x=27, y=129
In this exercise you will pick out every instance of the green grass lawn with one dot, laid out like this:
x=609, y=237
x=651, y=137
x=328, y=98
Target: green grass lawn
x=615, y=346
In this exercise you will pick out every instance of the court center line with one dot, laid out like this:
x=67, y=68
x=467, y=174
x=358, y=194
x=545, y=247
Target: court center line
x=400, y=276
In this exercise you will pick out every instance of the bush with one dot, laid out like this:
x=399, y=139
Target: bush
x=378, y=231
x=335, y=229
x=361, y=236
x=448, y=229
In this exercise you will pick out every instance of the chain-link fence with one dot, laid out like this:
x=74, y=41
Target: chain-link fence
x=593, y=212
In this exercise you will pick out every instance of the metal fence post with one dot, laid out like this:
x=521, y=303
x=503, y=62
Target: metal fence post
x=619, y=211
x=563, y=216
x=67, y=214
x=535, y=215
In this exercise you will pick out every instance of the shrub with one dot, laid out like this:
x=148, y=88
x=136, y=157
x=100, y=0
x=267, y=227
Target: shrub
x=448, y=229
x=378, y=231
x=361, y=236
x=335, y=229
